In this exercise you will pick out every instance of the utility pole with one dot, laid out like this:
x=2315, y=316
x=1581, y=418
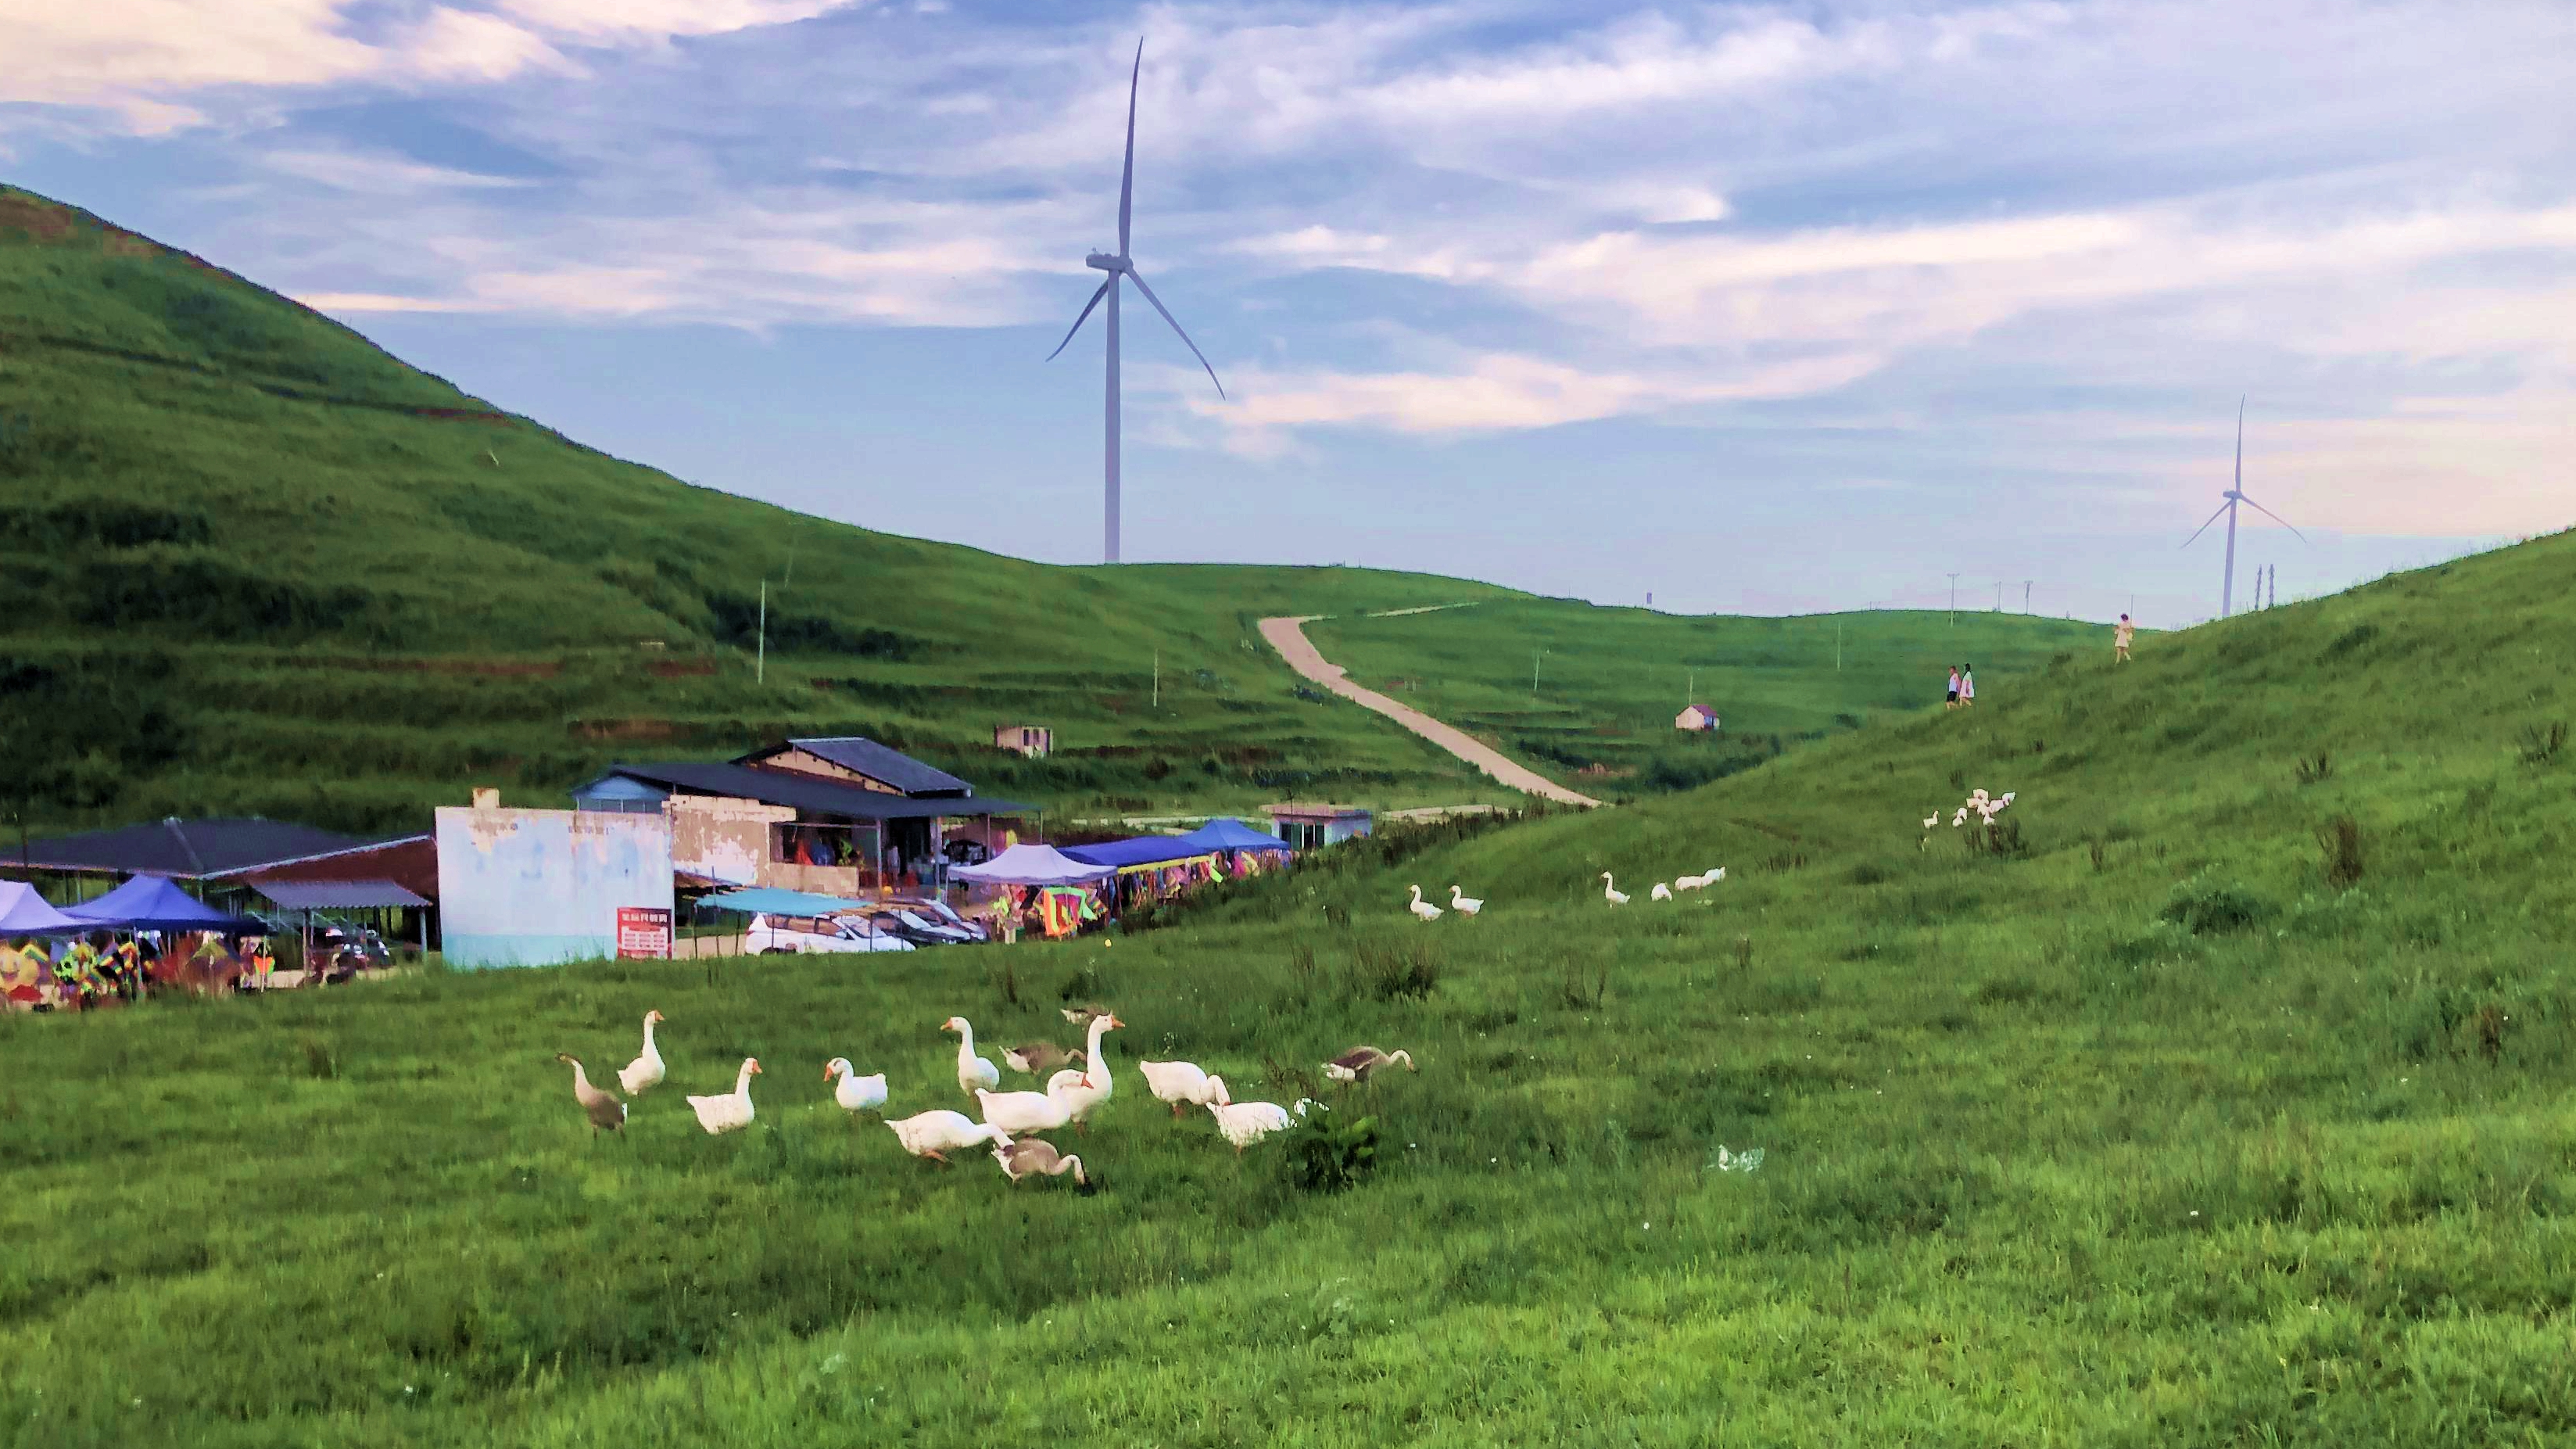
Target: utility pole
x=761, y=667
x=1999, y=596
x=1838, y=644
x=2025, y=595
x=1954, y=601
x=1534, y=673
x=1158, y=679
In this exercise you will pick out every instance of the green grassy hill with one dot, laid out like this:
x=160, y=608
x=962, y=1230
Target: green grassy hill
x=248, y=562
x=1610, y=681
x=2226, y=1101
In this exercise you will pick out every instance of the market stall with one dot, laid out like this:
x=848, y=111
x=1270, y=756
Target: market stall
x=1042, y=887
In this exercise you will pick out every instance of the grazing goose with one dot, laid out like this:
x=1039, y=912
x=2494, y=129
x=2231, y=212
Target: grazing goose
x=928, y=1134
x=855, y=1093
x=972, y=1071
x=731, y=1112
x=1610, y=890
x=1016, y=1112
x=1464, y=905
x=1661, y=892
x=1038, y=1056
x=1932, y=820
x=1356, y=1064
x=1244, y=1123
x=1032, y=1158
x=1182, y=1084
x=646, y=1070
x=1091, y=1086
x=603, y=1108
x=1421, y=908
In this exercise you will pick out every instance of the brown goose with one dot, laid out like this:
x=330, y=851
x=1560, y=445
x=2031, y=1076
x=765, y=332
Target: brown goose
x=1039, y=1056
x=603, y=1108
x=1028, y=1157
x=1082, y=1015
x=1356, y=1064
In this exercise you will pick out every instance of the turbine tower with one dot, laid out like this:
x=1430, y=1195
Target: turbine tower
x=2234, y=496
x=1118, y=265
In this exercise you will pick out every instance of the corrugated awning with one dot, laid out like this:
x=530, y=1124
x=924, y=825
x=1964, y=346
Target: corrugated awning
x=335, y=895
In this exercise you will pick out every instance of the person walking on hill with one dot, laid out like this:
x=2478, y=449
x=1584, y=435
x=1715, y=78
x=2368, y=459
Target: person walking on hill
x=1954, y=688
x=2121, y=638
x=1967, y=685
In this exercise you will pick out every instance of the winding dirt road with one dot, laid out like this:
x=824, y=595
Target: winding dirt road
x=1288, y=636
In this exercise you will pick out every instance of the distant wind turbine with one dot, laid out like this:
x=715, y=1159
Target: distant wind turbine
x=2234, y=496
x=1118, y=265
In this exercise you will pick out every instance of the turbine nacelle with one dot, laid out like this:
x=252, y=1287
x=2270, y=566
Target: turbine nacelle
x=1104, y=262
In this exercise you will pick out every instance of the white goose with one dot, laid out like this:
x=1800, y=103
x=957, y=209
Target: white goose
x=1464, y=905
x=1182, y=1084
x=646, y=1070
x=1092, y=1085
x=1661, y=892
x=1244, y=1123
x=1610, y=890
x=1932, y=820
x=928, y=1134
x=855, y=1093
x=731, y=1112
x=1422, y=908
x=1016, y=1112
x=972, y=1071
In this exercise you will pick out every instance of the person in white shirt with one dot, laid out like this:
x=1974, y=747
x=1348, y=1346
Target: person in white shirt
x=1967, y=684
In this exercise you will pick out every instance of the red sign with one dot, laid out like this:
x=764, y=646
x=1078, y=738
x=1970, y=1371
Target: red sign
x=643, y=931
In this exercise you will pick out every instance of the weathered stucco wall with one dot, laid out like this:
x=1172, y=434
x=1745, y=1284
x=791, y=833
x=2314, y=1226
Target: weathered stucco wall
x=723, y=839
x=538, y=887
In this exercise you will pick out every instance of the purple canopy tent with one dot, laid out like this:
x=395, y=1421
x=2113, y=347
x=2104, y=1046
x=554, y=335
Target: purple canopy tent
x=25, y=913
x=1032, y=865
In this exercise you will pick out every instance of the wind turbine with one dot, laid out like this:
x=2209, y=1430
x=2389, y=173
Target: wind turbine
x=2234, y=496
x=1118, y=265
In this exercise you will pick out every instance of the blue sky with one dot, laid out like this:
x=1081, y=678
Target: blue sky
x=1756, y=307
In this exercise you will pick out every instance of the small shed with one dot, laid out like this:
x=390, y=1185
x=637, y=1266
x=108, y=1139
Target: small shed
x=1303, y=827
x=1697, y=717
x=1034, y=742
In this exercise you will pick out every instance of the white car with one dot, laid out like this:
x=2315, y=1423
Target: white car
x=770, y=935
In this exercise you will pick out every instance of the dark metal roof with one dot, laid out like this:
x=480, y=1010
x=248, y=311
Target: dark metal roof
x=806, y=792
x=867, y=757
x=327, y=895
x=186, y=849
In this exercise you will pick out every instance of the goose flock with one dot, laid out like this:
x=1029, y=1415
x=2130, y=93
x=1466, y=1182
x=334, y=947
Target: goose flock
x=1081, y=1084
x=1662, y=890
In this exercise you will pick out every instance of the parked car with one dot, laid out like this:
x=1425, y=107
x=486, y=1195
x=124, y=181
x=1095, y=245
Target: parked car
x=796, y=935
x=919, y=930
x=966, y=852
x=941, y=913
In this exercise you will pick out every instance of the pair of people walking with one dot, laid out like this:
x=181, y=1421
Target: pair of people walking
x=1963, y=686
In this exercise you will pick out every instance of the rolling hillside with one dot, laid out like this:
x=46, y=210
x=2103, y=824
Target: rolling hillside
x=2222, y=1099
x=248, y=562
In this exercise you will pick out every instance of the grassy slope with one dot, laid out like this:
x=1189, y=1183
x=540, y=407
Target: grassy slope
x=1612, y=679
x=2040, y=1169
x=250, y=562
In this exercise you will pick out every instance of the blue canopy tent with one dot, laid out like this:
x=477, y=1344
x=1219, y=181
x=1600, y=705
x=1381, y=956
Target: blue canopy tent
x=768, y=901
x=152, y=903
x=1230, y=834
x=1144, y=850
x=25, y=913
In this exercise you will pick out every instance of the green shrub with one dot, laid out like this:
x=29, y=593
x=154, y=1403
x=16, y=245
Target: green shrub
x=2205, y=906
x=1323, y=1156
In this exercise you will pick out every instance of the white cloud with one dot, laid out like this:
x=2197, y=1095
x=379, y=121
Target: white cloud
x=662, y=19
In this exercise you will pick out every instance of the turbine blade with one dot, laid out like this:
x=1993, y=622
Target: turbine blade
x=2240, y=443
x=2188, y=542
x=1127, y=177
x=1139, y=280
x=1085, y=317
x=2276, y=518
